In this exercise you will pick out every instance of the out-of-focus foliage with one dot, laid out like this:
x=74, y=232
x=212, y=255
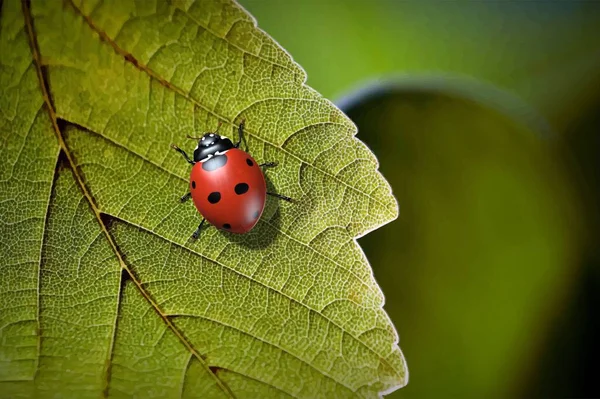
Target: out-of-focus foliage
x=487, y=235
x=496, y=277
x=545, y=51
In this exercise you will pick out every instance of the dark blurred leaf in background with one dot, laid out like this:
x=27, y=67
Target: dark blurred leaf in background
x=491, y=271
x=483, y=251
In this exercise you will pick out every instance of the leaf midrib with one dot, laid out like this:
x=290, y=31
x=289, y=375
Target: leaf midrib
x=28, y=19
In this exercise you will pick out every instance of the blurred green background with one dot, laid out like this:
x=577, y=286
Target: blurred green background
x=485, y=117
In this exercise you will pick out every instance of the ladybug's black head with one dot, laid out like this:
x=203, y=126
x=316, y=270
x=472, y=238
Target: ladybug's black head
x=211, y=144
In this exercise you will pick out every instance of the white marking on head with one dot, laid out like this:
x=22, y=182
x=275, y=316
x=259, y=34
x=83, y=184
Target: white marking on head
x=212, y=135
x=203, y=138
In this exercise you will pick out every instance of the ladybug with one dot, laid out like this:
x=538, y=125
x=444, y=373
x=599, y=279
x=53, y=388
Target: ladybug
x=226, y=184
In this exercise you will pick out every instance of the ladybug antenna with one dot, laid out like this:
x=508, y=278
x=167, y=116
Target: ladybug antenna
x=218, y=127
x=198, y=138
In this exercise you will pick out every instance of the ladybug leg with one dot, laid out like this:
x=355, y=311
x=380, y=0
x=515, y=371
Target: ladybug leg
x=283, y=197
x=179, y=150
x=197, y=232
x=268, y=165
x=241, y=135
x=185, y=197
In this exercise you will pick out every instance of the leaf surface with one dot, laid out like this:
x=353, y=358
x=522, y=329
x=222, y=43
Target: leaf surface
x=103, y=291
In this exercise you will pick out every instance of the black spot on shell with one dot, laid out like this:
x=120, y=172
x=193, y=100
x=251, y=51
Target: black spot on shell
x=214, y=163
x=214, y=197
x=227, y=226
x=249, y=162
x=193, y=184
x=256, y=214
x=241, y=188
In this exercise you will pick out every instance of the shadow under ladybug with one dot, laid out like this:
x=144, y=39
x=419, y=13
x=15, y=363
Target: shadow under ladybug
x=227, y=185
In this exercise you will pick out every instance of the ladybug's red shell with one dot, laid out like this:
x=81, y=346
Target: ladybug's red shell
x=229, y=190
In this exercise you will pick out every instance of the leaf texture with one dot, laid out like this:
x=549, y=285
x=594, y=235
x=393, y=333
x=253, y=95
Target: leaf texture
x=102, y=291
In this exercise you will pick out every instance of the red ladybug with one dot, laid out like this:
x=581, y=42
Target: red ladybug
x=227, y=185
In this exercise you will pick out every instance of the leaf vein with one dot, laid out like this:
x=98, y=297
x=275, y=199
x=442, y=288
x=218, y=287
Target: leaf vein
x=111, y=140
x=283, y=350
x=30, y=34
x=268, y=287
x=144, y=68
x=183, y=377
x=79, y=179
x=207, y=29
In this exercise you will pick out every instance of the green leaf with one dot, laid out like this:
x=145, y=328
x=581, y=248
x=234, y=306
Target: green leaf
x=488, y=188
x=103, y=292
